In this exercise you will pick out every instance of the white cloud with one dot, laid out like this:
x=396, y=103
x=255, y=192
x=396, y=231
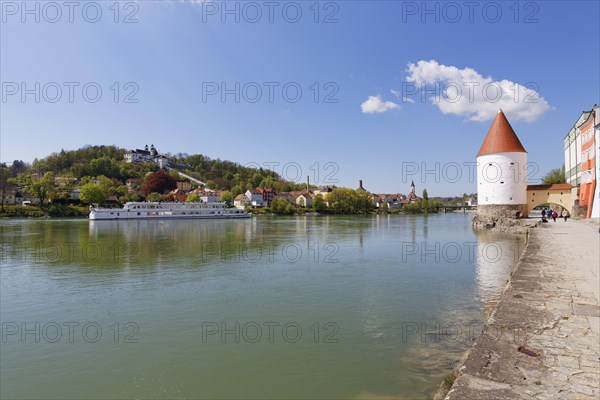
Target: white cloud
x=466, y=92
x=374, y=104
x=395, y=93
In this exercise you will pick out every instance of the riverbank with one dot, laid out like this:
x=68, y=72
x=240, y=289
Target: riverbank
x=48, y=211
x=543, y=339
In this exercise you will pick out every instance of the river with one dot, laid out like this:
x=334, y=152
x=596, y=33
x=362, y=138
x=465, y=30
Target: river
x=281, y=308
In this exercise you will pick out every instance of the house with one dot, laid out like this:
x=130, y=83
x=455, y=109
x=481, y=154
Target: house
x=256, y=197
x=139, y=155
x=21, y=197
x=325, y=191
x=10, y=192
x=185, y=186
x=208, y=197
x=471, y=201
x=305, y=199
x=150, y=155
x=177, y=195
x=390, y=201
x=112, y=200
x=287, y=196
x=162, y=161
x=267, y=195
x=75, y=194
x=241, y=201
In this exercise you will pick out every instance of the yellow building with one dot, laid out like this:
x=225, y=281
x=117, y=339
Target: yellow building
x=554, y=195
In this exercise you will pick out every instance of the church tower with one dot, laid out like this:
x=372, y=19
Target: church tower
x=501, y=173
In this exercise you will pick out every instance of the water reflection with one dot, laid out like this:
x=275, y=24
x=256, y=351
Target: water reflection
x=497, y=254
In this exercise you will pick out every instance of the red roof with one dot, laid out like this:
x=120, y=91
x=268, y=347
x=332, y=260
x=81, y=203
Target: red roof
x=501, y=138
x=556, y=186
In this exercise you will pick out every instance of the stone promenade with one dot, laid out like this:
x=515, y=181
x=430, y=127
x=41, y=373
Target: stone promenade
x=543, y=339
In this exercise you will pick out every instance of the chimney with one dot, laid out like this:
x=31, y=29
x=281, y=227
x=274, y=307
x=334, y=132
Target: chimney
x=307, y=183
x=360, y=184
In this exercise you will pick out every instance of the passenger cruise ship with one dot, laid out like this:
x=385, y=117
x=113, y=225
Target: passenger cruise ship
x=143, y=210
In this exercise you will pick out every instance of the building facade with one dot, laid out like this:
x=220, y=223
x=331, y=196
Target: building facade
x=581, y=148
x=572, y=147
x=595, y=213
x=150, y=155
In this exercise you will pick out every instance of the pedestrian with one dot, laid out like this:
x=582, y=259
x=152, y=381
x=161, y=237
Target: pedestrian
x=544, y=213
x=554, y=215
x=565, y=214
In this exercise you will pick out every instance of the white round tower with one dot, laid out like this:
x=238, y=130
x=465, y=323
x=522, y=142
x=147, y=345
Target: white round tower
x=502, y=173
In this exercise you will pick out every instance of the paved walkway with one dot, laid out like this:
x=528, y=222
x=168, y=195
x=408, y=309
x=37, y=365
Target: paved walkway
x=543, y=340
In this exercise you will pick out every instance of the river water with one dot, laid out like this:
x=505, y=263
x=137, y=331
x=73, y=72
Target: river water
x=281, y=308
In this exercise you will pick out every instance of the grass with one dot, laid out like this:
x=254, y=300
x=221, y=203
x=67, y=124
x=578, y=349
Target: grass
x=447, y=384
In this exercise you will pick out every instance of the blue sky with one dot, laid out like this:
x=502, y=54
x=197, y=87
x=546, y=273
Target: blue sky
x=176, y=57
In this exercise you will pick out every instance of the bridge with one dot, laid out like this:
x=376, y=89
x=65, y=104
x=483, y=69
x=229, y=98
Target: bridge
x=446, y=209
x=555, y=195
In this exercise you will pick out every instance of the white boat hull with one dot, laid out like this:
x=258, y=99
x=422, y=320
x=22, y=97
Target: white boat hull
x=168, y=211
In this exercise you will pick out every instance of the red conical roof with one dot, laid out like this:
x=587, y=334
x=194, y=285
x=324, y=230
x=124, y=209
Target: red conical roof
x=501, y=138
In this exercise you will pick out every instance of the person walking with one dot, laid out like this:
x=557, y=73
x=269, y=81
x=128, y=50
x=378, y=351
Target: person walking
x=565, y=214
x=544, y=213
x=554, y=215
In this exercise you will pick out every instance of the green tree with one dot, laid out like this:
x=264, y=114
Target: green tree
x=412, y=208
x=227, y=197
x=319, y=204
x=425, y=203
x=93, y=193
x=40, y=187
x=5, y=175
x=364, y=201
x=349, y=201
x=281, y=206
x=154, y=197
x=237, y=189
x=193, y=198
x=105, y=166
x=553, y=176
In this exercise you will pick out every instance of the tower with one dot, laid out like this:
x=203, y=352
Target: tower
x=501, y=173
x=412, y=187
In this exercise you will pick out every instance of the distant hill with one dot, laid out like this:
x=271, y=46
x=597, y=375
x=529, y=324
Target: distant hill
x=108, y=161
